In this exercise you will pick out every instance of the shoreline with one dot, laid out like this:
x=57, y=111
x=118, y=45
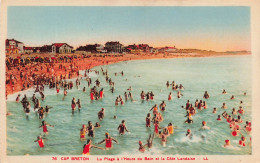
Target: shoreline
x=89, y=63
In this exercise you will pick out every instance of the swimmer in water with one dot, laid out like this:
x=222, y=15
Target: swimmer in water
x=18, y=98
x=224, y=91
x=83, y=132
x=155, y=109
x=156, y=127
x=130, y=95
x=167, y=84
x=235, y=129
x=151, y=95
x=122, y=128
x=206, y=95
x=41, y=112
x=109, y=141
x=34, y=99
x=232, y=97
x=115, y=117
x=126, y=96
x=150, y=141
x=97, y=125
x=179, y=94
x=73, y=104
x=101, y=114
x=240, y=110
x=239, y=120
x=163, y=137
x=234, y=112
x=227, y=143
x=84, y=89
x=242, y=141
x=214, y=111
x=205, y=105
x=142, y=95
x=204, y=126
x=141, y=147
x=64, y=93
x=229, y=119
x=170, y=96
x=248, y=127
x=171, y=128
x=225, y=115
x=187, y=104
x=101, y=93
x=44, y=127
x=90, y=129
x=163, y=106
x=224, y=106
x=47, y=108
x=189, y=134
x=79, y=104
x=189, y=119
x=40, y=141
x=148, y=120
x=8, y=113
x=88, y=146
x=42, y=96
x=219, y=118
x=130, y=88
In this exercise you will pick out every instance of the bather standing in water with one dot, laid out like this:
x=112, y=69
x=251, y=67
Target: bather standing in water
x=122, y=128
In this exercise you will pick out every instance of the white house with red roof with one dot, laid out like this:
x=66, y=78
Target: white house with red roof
x=13, y=46
x=61, y=48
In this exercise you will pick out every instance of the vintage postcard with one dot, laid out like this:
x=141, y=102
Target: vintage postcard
x=129, y=81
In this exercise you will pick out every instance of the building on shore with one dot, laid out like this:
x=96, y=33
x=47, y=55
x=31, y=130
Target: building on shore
x=144, y=48
x=61, y=48
x=167, y=49
x=100, y=48
x=13, y=46
x=28, y=50
x=141, y=48
x=46, y=49
x=95, y=48
x=170, y=49
x=114, y=47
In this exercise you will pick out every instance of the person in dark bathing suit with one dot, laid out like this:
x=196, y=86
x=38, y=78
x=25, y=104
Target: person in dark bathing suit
x=90, y=129
x=122, y=128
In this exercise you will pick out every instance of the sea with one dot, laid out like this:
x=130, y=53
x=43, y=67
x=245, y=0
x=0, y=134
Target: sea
x=197, y=75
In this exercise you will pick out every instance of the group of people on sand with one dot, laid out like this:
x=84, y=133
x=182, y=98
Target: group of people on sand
x=22, y=77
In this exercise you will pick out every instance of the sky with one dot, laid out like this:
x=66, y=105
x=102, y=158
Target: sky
x=208, y=28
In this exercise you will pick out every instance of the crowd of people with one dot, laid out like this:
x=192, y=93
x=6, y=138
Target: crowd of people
x=153, y=119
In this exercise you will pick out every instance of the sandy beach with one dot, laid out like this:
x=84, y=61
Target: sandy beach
x=88, y=63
